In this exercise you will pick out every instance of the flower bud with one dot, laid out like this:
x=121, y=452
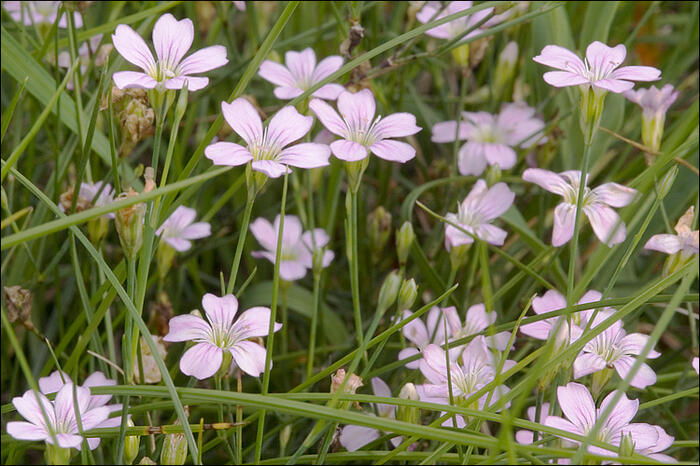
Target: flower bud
x=389, y=291
x=591, y=108
x=129, y=223
x=626, y=444
x=174, y=448
x=285, y=435
x=407, y=294
x=505, y=71
x=18, y=302
x=164, y=257
x=378, y=230
x=355, y=171
x=461, y=55
x=493, y=174
x=408, y=413
x=666, y=181
x=151, y=373
x=181, y=103
x=404, y=240
x=147, y=461
x=131, y=445
x=458, y=255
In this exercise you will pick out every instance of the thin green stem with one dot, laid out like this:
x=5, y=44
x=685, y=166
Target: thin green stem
x=250, y=200
x=353, y=260
x=273, y=313
x=314, y=324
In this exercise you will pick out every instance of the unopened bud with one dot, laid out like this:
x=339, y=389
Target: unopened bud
x=461, y=55
x=164, y=257
x=378, y=230
x=147, y=461
x=505, y=71
x=136, y=120
x=174, y=447
x=129, y=224
x=407, y=294
x=285, y=435
x=626, y=444
x=404, y=240
x=181, y=102
x=666, y=181
x=591, y=108
x=389, y=291
x=131, y=445
x=18, y=302
x=151, y=373
x=493, y=174
x=353, y=383
x=408, y=413
x=599, y=380
x=458, y=255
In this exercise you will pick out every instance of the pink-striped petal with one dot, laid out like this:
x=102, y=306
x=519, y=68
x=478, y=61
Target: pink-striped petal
x=306, y=155
x=670, y=244
x=187, y=327
x=133, y=79
x=227, y=153
x=205, y=59
x=132, y=47
x=348, y=151
x=393, y=151
x=328, y=117
x=270, y=168
x=243, y=119
x=201, y=361
x=172, y=39
x=250, y=357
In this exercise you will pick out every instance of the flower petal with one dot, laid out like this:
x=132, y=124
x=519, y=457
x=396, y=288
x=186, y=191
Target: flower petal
x=292, y=270
x=194, y=83
x=264, y=233
x=564, y=221
x=623, y=412
x=53, y=382
x=614, y=195
x=588, y=363
x=495, y=201
x=329, y=91
x=328, y=117
x=255, y=322
x=27, y=431
x=415, y=331
x=546, y=179
x=172, y=39
x=614, y=85
x=396, y=125
x=205, y=59
x=559, y=57
x=602, y=59
x=407, y=353
x=355, y=437
x=28, y=407
x=393, y=151
x=277, y=74
x=133, y=79
x=132, y=47
x=472, y=160
x=250, y=357
x=227, y=153
x=644, y=377
x=491, y=234
x=637, y=73
x=269, y=167
x=446, y=131
x=286, y=126
x=348, y=151
x=187, y=327
x=201, y=361
x=243, y=119
x=606, y=224
x=670, y=244
x=306, y=155
x=357, y=109
x=564, y=78
x=301, y=64
x=577, y=405
x=326, y=67
x=500, y=154
x=220, y=310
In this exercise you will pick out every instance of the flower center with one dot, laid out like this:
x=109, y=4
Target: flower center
x=266, y=148
x=362, y=132
x=163, y=71
x=571, y=195
x=222, y=337
x=488, y=134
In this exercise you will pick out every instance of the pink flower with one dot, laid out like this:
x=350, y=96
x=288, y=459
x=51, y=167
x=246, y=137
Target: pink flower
x=695, y=365
x=477, y=368
x=422, y=333
x=267, y=149
x=297, y=247
x=39, y=13
x=597, y=205
x=55, y=382
x=179, y=229
x=172, y=39
x=615, y=349
x=301, y=73
x=61, y=417
x=552, y=300
x=240, y=6
x=95, y=195
x=685, y=241
x=581, y=414
x=491, y=138
x=221, y=334
x=476, y=321
x=453, y=28
x=654, y=102
x=361, y=132
x=475, y=213
x=86, y=52
x=599, y=70
x=526, y=437
x=355, y=437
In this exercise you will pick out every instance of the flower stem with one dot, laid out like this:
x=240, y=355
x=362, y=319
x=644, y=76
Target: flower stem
x=273, y=313
x=314, y=324
x=571, y=276
x=353, y=261
x=241, y=240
